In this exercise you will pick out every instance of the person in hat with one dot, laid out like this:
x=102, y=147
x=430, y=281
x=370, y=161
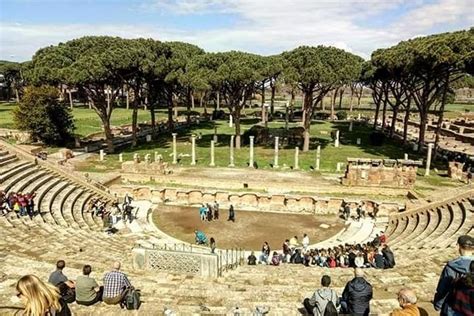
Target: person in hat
x=453, y=270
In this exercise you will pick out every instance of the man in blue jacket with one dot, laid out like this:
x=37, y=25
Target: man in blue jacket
x=453, y=270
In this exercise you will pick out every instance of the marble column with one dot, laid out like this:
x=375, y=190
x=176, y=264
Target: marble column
x=101, y=155
x=212, y=164
x=120, y=157
x=231, y=157
x=428, y=159
x=251, y=152
x=336, y=141
x=275, y=158
x=318, y=156
x=193, y=150
x=175, y=155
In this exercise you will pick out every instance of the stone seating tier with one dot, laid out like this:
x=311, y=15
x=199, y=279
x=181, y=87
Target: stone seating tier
x=433, y=227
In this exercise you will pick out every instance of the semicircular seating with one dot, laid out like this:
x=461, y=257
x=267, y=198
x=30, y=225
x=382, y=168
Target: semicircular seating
x=59, y=200
x=436, y=225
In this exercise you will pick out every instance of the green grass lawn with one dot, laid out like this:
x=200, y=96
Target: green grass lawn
x=263, y=153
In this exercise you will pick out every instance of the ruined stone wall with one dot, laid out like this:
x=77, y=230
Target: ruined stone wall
x=366, y=172
x=252, y=201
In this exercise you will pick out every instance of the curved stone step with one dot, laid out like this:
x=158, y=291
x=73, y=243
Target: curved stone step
x=446, y=219
x=425, y=221
x=25, y=182
x=67, y=208
x=459, y=220
x=18, y=176
x=412, y=222
x=41, y=201
x=58, y=203
x=77, y=210
x=10, y=172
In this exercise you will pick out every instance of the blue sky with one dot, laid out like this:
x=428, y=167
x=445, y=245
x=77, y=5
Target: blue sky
x=259, y=26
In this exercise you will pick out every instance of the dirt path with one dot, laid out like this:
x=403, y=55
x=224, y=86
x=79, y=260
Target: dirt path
x=250, y=229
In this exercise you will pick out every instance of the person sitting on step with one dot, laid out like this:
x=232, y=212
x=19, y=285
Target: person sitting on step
x=316, y=305
x=407, y=300
x=88, y=292
x=116, y=285
x=40, y=298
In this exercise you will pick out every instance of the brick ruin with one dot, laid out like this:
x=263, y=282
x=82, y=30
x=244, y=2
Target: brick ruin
x=396, y=173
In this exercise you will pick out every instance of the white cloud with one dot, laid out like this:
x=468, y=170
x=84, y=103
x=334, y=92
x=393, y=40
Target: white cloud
x=264, y=26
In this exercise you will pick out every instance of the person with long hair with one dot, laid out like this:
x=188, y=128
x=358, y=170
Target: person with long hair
x=40, y=298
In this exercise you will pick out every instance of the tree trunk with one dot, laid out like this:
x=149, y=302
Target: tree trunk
x=153, y=118
x=307, y=104
x=405, y=122
x=376, y=115
x=272, y=102
x=384, y=113
x=136, y=103
x=170, y=111
x=394, y=120
x=108, y=134
x=263, y=103
x=351, y=100
x=421, y=135
x=188, y=106
x=341, y=92
x=218, y=101
x=359, y=96
x=70, y=99
x=192, y=100
x=333, y=103
x=292, y=104
x=441, y=114
x=17, y=95
x=236, y=118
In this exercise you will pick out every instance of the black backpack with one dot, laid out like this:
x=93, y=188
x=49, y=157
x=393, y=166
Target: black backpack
x=132, y=300
x=330, y=309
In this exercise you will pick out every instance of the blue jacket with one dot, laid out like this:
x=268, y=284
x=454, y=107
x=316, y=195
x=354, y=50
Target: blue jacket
x=454, y=269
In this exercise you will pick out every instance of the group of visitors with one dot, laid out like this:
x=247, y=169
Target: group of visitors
x=360, y=212
x=110, y=216
x=53, y=297
x=375, y=254
x=209, y=212
x=22, y=204
x=454, y=293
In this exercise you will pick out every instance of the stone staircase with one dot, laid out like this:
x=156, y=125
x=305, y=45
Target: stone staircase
x=436, y=225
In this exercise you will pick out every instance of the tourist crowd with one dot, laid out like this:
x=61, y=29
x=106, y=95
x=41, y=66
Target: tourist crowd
x=375, y=254
x=21, y=203
x=454, y=293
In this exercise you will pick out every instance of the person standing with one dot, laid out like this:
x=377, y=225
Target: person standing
x=212, y=244
x=357, y=295
x=216, y=210
x=305, y=243
x=461, y=298
x=453, y=270
x=231, y=214
x=202, y=212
